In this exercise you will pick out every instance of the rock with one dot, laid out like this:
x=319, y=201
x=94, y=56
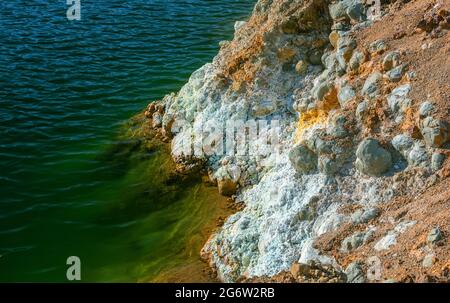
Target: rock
x=345, y=94
x=403, y=144
x=337, y=10
x=354, y=273
x=434, y=132
x=224, y=43
x=290, y=27
x=377, y=47
x=363, y=217
x=303, y=159
x=411, y=75
x=386, y=242
x=346, y=44
x=356, y=60
x=227, y=187
x=361, y=109
x=390, y=281
x=418, y=155
x=329, y=60
x=322, y=90
x=286, y=54
x=264, y=108
x=437, y=161
x=336, y=127
x=238, y=25
x=434, y=236
x=295, y=270
x=397, y=99
x=315, y=57
x=396, y=74
x=355, y=11
x=425, y=110
x=301, y=67
x=334, y=37
x=352, y=242
x=372, y=85
x=429, y=260
x=340, y=26
x=327, y=165
x=391, y=60
x=372, y=159
x=157, y=119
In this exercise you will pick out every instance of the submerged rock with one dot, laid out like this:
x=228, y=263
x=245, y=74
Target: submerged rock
x=227, y=187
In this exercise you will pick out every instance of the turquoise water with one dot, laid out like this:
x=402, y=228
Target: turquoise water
x=66, y=88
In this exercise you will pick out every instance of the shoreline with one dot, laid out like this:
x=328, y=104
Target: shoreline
x=197, y=269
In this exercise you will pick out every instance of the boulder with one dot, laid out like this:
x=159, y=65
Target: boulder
x=328, y=165
x=434, y=131
x=352, y=242
x=398, y=100
x=356, y=11
x=437, y=161
x=346, y=44
x=345, y=94
x=434, y=236
x=396, y=74
x=336, y=127
x=303, y=159
x=391, y=60
x=364, y=216
x=372, y=85
x=322, y=89
x=337, y=10
x=425, y=110
x=356, y=60
x=354, y=273
x=377, y=47
x=157, y=119
x=372, y=159
x=418, y=155
x=403, y=144
x=361, y=109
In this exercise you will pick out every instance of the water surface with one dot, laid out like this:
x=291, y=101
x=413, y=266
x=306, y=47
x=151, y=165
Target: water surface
x=67, y=186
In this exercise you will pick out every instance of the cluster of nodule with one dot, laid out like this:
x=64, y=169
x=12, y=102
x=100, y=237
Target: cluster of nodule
x=344, y=141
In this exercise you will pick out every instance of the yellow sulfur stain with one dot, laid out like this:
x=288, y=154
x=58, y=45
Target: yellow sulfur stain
x=309, y=119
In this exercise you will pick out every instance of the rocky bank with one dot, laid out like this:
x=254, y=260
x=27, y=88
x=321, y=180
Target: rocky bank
x=353, y=181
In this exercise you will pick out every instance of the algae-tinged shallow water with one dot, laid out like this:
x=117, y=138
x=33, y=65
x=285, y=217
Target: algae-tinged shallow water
x=68, y=185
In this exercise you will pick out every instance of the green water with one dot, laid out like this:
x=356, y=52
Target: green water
x=71, y=182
